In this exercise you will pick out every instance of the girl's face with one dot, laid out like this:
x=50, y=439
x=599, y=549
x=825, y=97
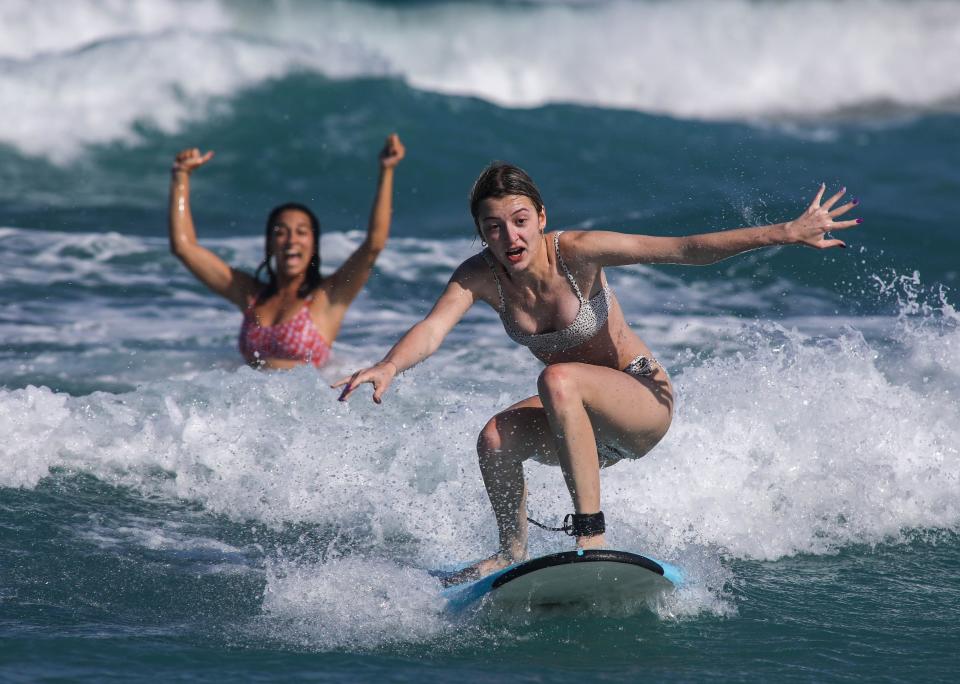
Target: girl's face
x=292, y=243
x=512, y=228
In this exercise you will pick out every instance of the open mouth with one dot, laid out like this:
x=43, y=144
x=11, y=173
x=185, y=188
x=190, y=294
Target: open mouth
x=515, y=255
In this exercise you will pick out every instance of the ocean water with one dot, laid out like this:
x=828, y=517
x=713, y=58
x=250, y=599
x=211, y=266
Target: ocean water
x=167, y=513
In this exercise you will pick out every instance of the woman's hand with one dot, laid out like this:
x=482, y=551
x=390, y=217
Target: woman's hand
x=380, y=376
x=190, y=159
x=392, y=152
x=810, y=228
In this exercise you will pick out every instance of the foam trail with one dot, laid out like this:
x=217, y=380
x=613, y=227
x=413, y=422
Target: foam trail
x=352, y=604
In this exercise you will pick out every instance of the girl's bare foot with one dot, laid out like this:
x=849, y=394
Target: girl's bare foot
x=480, y=569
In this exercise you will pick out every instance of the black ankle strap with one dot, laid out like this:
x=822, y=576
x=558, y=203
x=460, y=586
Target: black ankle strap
x=578, y=524
x=584, y=524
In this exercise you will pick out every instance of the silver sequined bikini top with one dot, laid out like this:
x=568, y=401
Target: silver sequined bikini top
x=590, y=318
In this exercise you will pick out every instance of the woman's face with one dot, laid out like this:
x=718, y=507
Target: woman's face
x=291, y=242
x=512, y=228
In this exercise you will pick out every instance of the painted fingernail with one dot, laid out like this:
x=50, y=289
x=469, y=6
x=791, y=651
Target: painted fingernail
x=855, y=200
x=843, y=246
x=859, y=220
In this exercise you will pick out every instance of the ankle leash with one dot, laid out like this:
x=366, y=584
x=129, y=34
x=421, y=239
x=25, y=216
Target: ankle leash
x=577, y=524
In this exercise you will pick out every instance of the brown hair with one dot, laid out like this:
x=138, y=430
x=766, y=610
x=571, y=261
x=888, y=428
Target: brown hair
x=498, y=180
x=313, y=279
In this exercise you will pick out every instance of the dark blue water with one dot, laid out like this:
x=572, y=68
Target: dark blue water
x=167, y=513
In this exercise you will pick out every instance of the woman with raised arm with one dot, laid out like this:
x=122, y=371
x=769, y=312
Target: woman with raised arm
x=602, y=396
x=293, y=317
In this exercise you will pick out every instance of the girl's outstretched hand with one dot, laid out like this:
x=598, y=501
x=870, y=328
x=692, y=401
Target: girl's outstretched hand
x=190, y=159
x=392, y=152
x=810, y=228
x=380, y=376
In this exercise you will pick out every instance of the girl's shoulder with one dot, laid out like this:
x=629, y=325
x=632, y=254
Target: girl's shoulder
x=572, y=246
x=476, y=263
x=478, y=275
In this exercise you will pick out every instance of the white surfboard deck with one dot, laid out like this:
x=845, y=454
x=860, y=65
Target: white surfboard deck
x=592, y=577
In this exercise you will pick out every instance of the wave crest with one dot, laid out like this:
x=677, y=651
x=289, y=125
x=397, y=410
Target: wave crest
x=115, y=66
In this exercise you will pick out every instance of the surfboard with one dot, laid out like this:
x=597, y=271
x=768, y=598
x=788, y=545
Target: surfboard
x=591, y=577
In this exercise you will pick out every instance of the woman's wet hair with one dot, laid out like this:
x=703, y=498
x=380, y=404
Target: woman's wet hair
x=313, y=279
x=498, y=180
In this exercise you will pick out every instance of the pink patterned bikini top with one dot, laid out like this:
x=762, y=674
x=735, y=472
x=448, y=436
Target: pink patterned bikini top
x=298, y=339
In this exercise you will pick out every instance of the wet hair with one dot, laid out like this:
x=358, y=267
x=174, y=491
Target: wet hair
x=313, y=279
x=498, y=180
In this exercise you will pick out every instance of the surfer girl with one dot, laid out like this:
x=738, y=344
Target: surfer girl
x=602, y=396
x=294, y=317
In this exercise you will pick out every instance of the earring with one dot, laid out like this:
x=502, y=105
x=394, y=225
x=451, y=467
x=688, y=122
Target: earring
x=483, y=242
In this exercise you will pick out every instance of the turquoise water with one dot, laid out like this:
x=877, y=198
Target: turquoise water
x=142, y=611
x=168, y=513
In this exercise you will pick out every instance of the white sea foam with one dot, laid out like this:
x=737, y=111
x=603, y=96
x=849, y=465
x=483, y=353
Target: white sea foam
x=29, y=28
x=793, y=444
x=107, y=91
x=802, y=436
x=183, y=540
x=112, y=67
x=352, y=603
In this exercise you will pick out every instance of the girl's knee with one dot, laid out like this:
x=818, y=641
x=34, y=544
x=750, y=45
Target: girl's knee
x=556, y=383
x=489, y=441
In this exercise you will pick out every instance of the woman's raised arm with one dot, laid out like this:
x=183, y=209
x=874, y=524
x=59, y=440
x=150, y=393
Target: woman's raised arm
x=349, y=279
x=208, y=268
x=618, y=249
